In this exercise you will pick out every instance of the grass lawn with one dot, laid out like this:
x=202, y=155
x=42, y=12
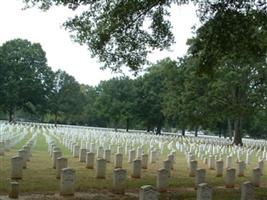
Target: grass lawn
x=40, y=177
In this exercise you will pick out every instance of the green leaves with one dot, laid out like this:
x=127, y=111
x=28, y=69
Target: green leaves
x=25, y=74
x=120, y=32
x=115, y=101
x=66, y=100
x=231, y=38
x=116, y=31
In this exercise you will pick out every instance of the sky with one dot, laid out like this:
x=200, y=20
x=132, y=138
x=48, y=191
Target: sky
x=63, y=53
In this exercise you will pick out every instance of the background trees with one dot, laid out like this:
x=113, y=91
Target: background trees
x=171, y=94
x=66, y=100
x=115, y=102
x=24, y=76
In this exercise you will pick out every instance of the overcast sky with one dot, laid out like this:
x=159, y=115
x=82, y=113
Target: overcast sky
x=46, y=28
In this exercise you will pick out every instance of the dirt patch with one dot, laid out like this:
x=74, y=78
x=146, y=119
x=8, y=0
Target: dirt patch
x=104, y=195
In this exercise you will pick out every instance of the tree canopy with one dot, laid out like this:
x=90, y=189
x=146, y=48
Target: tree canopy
x=120, y=32
x=24, y=75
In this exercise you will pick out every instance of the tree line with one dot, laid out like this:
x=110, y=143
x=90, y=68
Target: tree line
x=170, y=94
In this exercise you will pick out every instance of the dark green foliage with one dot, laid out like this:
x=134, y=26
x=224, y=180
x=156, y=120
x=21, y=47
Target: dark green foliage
x=115, y=30
x=256, y=128
x=24, y=76
x=66, y=100
x=232, y=47
x=90, y=114
x=231, y=38
x=115, y=101
x=150, y=95
x=121, y=32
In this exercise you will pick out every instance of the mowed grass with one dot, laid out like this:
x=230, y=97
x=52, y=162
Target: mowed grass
x=40, y=177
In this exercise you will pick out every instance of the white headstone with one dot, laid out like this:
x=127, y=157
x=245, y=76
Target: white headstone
x=192, y=168
x=90, y=159
x=241, y=166
x=76, y=151
x=211, y=162
x=162, y=180
x=256, y=176
x=229, y=162
x=132, y=155
x=16, y=167
x=200, y=177
x=118, y=160
x=100, y=152
x=153, y=156
x=261, y=166
x=14, y=190
x=144, y=160
x=61, y=164
x=204, y=192
x=55, y=156
x=230, y=178
x=148, y=192
x=219, y=168
x=107, y=155
x=101, y=168
x=67, y=181
x=22, y=153
x=82, y=155
x=247, y=191
x=119, y=180
x=136, y=169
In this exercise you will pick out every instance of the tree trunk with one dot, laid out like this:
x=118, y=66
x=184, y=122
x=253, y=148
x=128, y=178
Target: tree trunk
x=230, y=129
x=183, y=132
x=196, y=131
x=224, y=133
x=127, y=124
x=56, y=116
x=158, y=131
x=12, y=114
x=116, y=127
x=237, y=133
x=220, y=132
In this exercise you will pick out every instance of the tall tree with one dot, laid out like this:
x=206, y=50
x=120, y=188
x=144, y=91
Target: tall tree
x=185, y=95
x=24, y=75
x=150, y=93
x=89, y=115
x=238, y=53
x=66, y=99
x=240, y=94
x=115, y=101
